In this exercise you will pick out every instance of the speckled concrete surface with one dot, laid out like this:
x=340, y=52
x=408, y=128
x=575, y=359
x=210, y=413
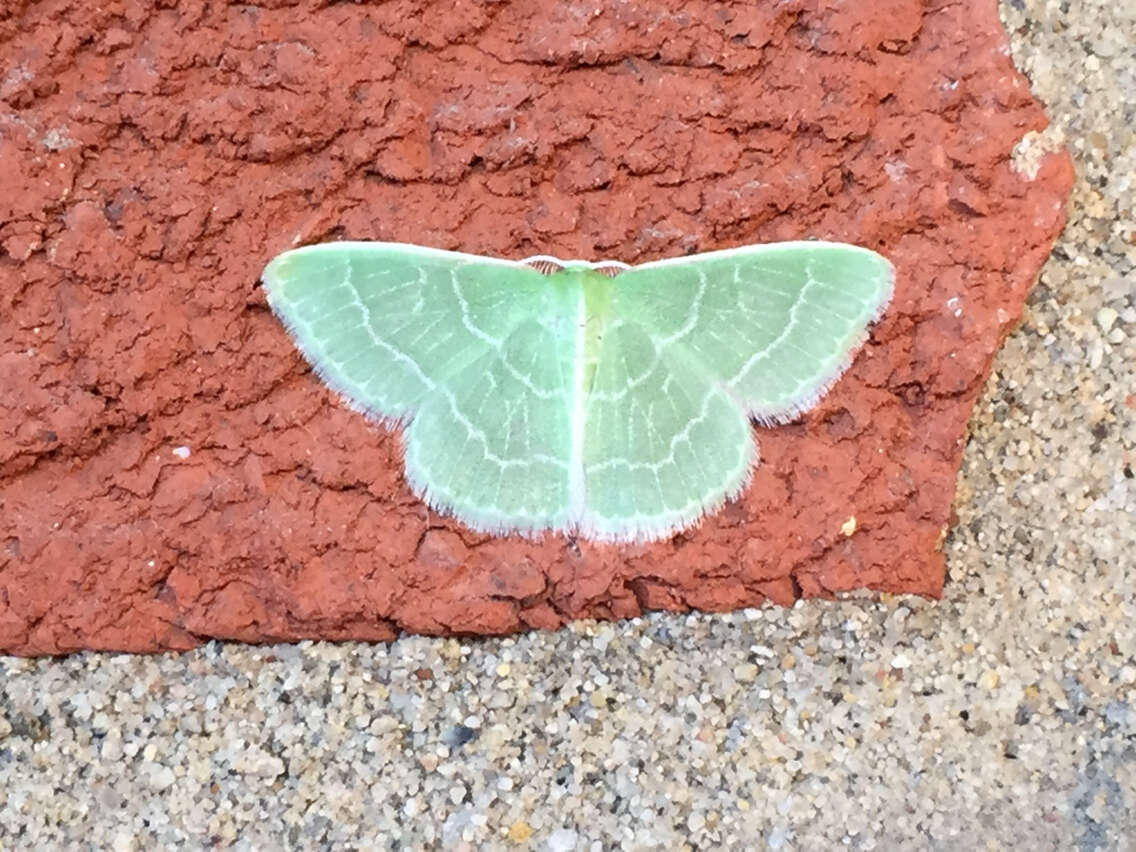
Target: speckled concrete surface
x=1000, y=717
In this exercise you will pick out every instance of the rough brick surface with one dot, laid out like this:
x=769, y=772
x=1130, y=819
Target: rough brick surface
x=154, y=156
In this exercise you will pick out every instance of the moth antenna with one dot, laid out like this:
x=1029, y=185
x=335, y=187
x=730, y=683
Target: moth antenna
x=610, y=268
x=544, y=265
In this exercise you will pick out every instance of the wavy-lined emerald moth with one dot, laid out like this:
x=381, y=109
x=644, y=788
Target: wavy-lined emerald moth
x=598, y=399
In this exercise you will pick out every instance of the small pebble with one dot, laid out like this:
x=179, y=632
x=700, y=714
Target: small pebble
x=562, y=840
x=1106, y=316
x=520, y=831
x=745, y=672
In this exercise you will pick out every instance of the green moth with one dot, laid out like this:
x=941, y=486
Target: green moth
x=597, y=399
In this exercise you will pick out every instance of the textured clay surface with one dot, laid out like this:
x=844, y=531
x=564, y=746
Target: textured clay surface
x=170, y=471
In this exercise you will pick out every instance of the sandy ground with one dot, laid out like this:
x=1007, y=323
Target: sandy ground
x=1000, y=717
